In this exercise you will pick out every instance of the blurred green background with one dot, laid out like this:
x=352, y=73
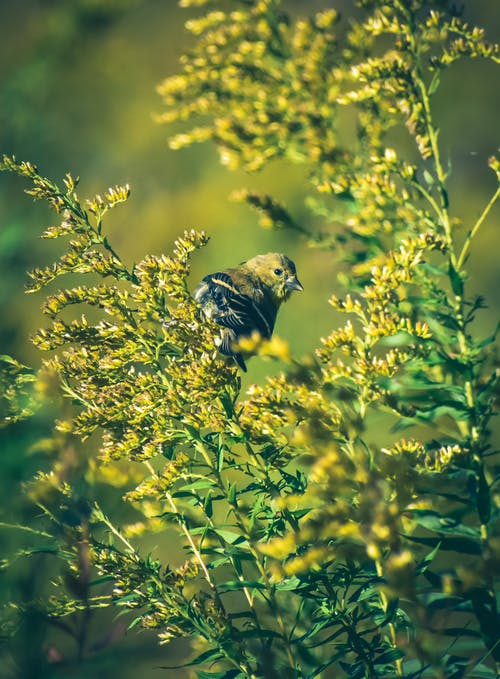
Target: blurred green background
x=77, y=93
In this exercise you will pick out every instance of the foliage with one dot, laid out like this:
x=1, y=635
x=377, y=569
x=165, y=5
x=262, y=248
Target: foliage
x=316, y=536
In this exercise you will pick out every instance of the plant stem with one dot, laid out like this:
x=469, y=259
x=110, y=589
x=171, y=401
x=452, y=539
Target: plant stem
x=392, y=629
x=102, y=517
x=187, y=534
x=475, y=425
x=240, y=521
x=476, y=228
x=445, y=220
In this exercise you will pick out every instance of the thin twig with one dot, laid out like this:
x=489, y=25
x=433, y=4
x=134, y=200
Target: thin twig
x=476, y=228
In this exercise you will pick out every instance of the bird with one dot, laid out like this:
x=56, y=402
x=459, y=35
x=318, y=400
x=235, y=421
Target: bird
x=245, y=299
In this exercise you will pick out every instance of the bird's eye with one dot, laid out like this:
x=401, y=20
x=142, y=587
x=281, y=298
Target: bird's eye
x=278, y=272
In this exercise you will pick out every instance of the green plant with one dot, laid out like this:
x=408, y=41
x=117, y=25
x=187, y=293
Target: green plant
x=316, y=537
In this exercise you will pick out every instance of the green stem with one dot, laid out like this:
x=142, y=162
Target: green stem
x=188, y=536
x=240, y=522
x=392, y=629
x=273, y=603
x=445, y=221
x=476, y=228
x=429, y=198
x=474, y=426
x=102, y=517
x=239, y=575
x=196, y=552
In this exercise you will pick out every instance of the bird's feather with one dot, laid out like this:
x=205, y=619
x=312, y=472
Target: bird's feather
x=245, y=300
x=232, y=309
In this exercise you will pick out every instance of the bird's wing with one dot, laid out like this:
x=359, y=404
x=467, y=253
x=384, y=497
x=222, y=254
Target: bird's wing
x=230, y=308
x=226, y=348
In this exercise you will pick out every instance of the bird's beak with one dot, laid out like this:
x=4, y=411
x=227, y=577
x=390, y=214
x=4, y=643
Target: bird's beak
x=293, y=283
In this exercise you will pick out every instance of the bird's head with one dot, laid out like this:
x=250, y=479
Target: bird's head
x=276, y=273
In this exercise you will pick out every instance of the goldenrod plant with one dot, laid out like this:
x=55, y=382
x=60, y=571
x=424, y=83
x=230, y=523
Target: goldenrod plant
x=342, y=518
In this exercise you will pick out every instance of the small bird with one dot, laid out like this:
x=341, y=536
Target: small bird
x=246, y=299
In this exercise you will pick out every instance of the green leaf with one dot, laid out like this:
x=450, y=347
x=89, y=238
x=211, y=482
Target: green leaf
x=216, y=562
x=259, y=632
x=234, y=585
x=439, y=601
x=220, y=458
x=207, y=505
x=227, y=404
x=428, y=558
x=229, y=536
x=342, y=650
x=193, y=433
x=228, y=674
x=389, y=656
x=390, y=613
x=441, y=524
x=99, y=581
x=134, y=622
x=429, y=179
x=236, y=553
x=290, y=584
x=434, y=83
x=232, y=494
x=457, y=284
x=208, y=656
x=198, y=485
x=491, y=338
x=482, y=671
x=366, y=591
x=462, y=544
x=125, y=600
x=431, y=415
x=318, y=626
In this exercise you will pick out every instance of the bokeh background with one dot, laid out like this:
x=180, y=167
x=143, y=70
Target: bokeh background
x=77, y=93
